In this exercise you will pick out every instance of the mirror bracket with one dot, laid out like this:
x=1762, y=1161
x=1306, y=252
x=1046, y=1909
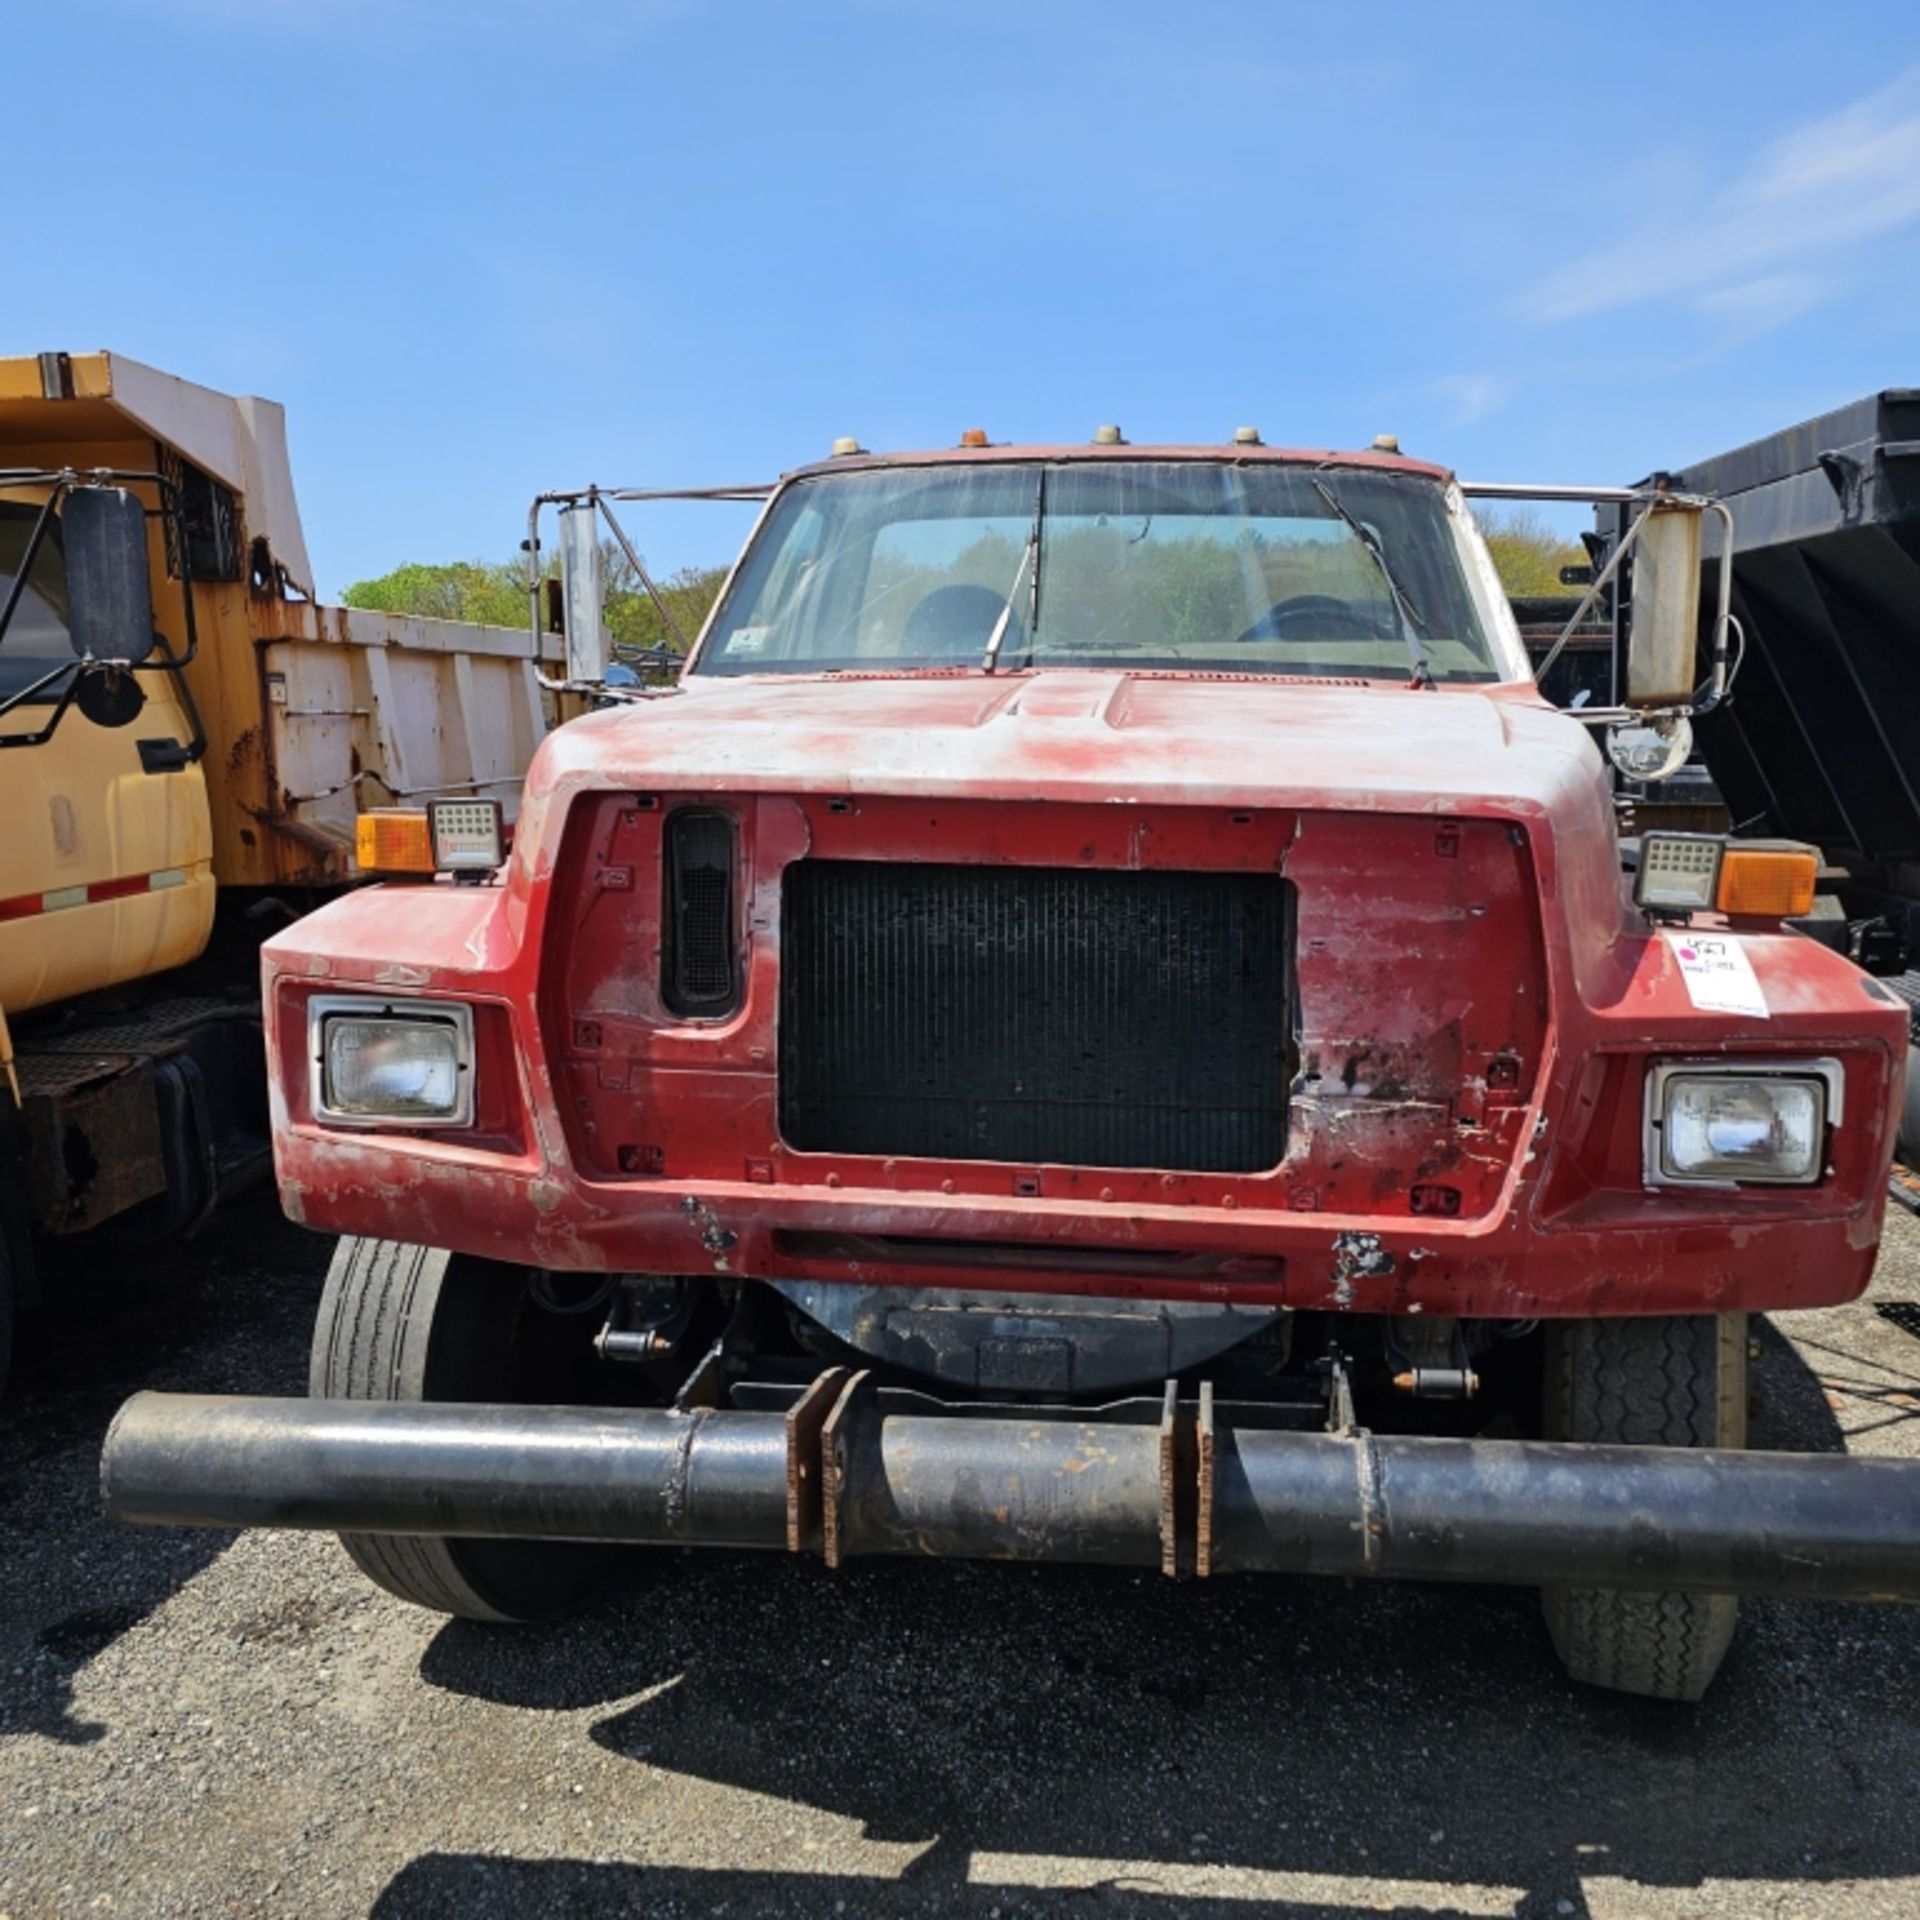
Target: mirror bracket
x=62, y=484
x=1657, y=497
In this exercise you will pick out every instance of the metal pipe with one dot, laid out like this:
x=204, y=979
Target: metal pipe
x=755, y=490
x=1011, y=1486
x=639, y=566
x=1595, y=588
x=553, y=1473
x=1720, y=677
x=1004, y=1489
x=1529, y=490
x=1808, y=1525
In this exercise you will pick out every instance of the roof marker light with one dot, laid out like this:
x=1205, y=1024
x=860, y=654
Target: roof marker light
x=1109, y=436
x=1386, y=443
x=1246, y=436
x=974, y=437
x=845, y=445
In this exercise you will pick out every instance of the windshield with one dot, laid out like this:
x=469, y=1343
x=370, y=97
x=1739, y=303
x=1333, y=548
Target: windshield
x=35, y=639
x=1106, y=563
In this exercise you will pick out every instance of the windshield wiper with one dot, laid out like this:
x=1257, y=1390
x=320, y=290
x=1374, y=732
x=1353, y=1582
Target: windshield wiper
x=1030, y=554
x=1409, y=618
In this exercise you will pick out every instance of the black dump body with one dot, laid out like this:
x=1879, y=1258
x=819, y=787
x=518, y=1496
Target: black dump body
x=1584, y=664
x=1821, y=741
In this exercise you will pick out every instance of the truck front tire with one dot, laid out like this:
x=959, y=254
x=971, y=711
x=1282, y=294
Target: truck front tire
x=1661, y=1382
x=400, y=1322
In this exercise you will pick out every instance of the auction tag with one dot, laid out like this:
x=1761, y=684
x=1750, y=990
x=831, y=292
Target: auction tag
x=1719, y=976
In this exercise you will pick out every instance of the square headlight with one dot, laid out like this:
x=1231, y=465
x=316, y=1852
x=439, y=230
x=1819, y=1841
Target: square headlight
x=1719, y=1124
x=400, y=1062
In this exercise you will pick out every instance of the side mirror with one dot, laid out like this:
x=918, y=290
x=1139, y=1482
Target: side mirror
x=109, y=696
x=1652, y=749
x=583, y=592
x=109, y=595
x=1663, y=635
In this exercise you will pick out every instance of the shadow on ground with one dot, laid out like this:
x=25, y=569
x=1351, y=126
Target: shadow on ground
x=464, y=1886
x=230, y=1312
x=1398, y=1733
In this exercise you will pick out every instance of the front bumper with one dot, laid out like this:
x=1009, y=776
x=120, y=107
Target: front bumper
x=1626, y=1253
x=846, y=1472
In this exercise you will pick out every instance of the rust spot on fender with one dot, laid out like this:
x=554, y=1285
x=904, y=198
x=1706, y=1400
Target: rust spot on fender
x=1358, y=1256
x=719, y=1241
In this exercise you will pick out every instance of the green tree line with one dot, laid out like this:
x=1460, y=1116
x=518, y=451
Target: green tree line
x=1528, y=553
x=496, y=595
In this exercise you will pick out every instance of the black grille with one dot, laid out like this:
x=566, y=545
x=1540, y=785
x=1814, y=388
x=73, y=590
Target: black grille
x=702, y=973
x=1029, y=1014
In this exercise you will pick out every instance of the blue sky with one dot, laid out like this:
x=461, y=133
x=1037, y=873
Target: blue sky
x=479, y=249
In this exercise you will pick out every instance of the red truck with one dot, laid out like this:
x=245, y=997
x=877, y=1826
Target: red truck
x=1100, y=1019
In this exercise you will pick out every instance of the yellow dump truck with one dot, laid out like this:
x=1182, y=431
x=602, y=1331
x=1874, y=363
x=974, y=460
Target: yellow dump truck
x=186, y=741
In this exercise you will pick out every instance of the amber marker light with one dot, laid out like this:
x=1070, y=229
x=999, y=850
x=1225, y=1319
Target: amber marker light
x=393, y=840
x=1767, y=882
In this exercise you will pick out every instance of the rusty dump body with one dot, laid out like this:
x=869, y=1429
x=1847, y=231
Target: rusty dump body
x=142, y=841
x=1015, y=1053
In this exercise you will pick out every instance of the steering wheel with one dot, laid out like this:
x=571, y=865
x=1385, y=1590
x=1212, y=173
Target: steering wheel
x=956, y=622
x=1323, y=609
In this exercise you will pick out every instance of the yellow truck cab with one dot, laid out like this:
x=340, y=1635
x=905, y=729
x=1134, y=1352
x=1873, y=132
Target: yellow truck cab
x=187, y=740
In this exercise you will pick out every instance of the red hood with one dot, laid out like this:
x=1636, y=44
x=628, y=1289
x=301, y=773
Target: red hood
x=1068, y=735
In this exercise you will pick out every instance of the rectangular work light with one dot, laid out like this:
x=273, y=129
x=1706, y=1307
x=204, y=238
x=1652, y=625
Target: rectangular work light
x=1679, y=872
x=469, y=836
x=390, y=1062
x=1719, y=1123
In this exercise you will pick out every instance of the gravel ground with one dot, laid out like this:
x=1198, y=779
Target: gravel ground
x=205, y=1724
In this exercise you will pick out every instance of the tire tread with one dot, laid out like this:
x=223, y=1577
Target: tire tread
x=371, y=1342
x=1677, y=1381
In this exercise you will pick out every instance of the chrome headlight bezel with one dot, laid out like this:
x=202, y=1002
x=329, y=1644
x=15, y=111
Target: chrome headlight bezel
x=446, y=1016
x=1828, y=1076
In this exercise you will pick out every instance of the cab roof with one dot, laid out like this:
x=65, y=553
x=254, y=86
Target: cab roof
x=1233, y=454
x=56, y=407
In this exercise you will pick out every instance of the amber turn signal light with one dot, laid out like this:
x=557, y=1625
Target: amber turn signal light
x=1772, y=883
x=393, y=840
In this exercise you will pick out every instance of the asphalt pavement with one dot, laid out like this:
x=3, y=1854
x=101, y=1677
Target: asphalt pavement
x=212, y=1725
